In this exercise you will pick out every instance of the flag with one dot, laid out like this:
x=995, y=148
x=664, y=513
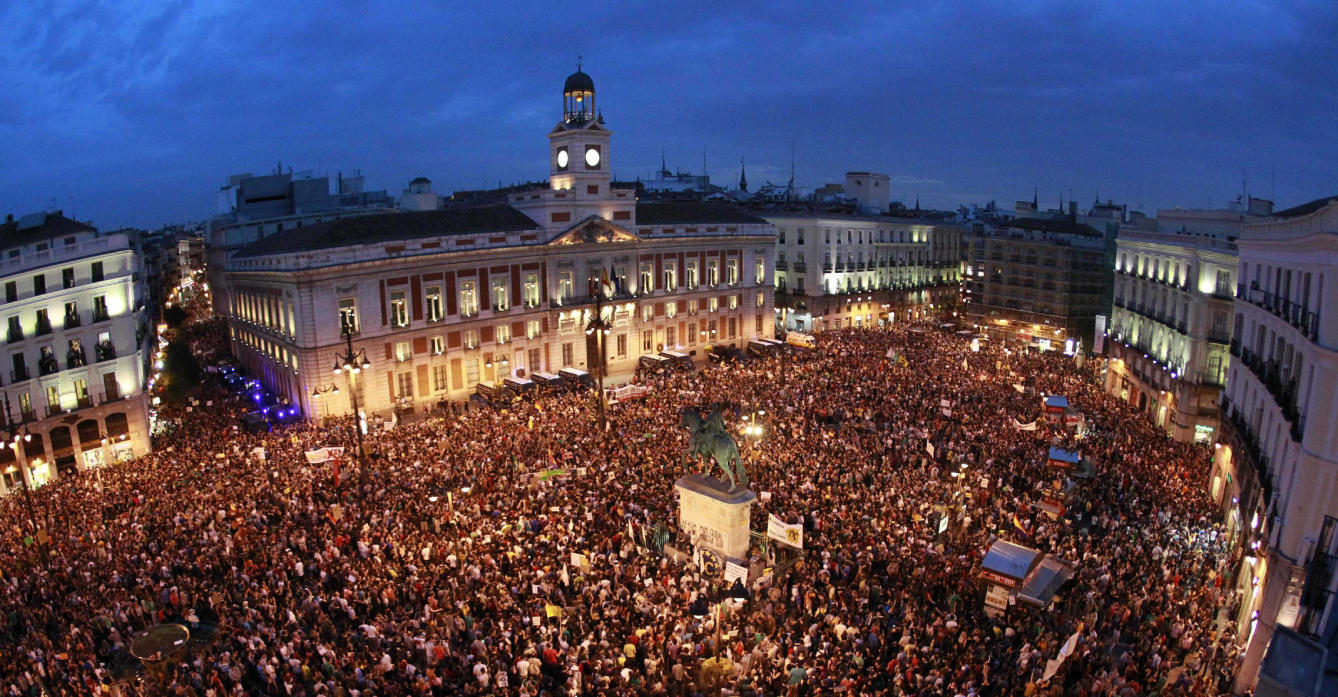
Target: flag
x=1020, y=527
x=316, y=457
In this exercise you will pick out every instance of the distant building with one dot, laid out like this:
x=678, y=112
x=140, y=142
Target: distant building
x=78, y=343
x=671, y=186
x=445, y=301
x=1274, y=472
x=251, y=208
x=1040, y=281
x=419, y=196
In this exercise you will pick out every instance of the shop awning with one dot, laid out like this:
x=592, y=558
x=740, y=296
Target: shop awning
x=1007, y=564
x=1041, y=586
x=1067, y=459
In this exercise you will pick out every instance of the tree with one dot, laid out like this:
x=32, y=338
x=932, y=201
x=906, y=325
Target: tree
x=180, y=370
x=175, y=316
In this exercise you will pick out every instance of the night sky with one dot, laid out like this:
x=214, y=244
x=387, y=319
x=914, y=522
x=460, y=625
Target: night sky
x=135, y=113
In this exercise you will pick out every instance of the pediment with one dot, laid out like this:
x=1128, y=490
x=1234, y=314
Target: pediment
x=594, y=230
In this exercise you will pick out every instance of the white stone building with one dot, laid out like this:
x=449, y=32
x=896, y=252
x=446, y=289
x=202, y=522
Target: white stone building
x=77, y=340
x=837, y=270
x=443, y=300
x=1275, y=470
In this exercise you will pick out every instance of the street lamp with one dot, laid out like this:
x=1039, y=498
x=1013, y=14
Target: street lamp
x=324, y=390
x=599, y=328
x=353, y=362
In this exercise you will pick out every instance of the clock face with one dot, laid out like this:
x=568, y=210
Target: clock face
x=592, y=157
x=562, y=158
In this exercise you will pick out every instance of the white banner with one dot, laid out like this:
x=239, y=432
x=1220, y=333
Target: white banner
x=733, y=571
x=1024, y=427
x=778, y=530
x=316, y=457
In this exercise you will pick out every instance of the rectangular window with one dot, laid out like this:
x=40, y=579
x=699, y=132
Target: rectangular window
x=670, y=277
x=438, y=377
x=53, y=398
x=39, y=284
x=565, y=287
x=621, y=350
x=348, y=314
x=469, y=299
x=670, y=309
x=757, y=326
x=471, y=338
x=81, y=393
x=15, y=330
x=501, y=298
x=692, y=307
x=712, y=273
x=503, y=333
x=731, y=271
x=67, y=278
x=799, y=285
x=405, y=381
x=97, y=271
x=403, y=351
x=712, y=304
x=647, y=279
x=399, y=309
x=690, y=275
x=71, y=315
x=733, y=325
x=471, y=371
x=566, y=355
x=691, y=337
x=534, y=359
x=532, y=329
x=11, y=291
x=433, y=298
x=647, y=312
x=759, y=271
x=647, y=340
x=761, y=299
x=669, y=338
x=531, y=290
x=438, y=345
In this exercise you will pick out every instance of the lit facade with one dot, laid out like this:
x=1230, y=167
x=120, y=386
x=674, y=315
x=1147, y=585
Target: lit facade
x=77, y=340
x=444, y=300
x=1275, y=469
x=835, y=270
x=1170, y=328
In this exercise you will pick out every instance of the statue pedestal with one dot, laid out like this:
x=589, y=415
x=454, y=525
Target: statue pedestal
x=715, y=519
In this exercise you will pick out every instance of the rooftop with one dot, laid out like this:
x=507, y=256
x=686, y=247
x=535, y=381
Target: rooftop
x=40, y=226
x=693, y=213
x=1306, y=208
x=372, y=229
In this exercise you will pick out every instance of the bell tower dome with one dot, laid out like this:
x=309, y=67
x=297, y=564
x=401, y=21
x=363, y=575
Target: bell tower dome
x=578, y=99
x=579, y=144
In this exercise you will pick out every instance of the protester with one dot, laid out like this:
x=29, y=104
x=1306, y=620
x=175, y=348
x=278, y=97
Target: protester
x=452, y=572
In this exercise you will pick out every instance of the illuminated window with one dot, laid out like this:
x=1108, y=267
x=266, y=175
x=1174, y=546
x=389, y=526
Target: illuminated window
x=399, y=309
x=469, y=299
x=433, y=303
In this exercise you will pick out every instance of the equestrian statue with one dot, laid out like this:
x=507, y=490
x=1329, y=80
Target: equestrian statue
x=708, y=438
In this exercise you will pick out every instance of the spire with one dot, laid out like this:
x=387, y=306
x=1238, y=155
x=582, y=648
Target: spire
x=917, y=203
x=664, y=169
x=743, y=176
x=1035, y=197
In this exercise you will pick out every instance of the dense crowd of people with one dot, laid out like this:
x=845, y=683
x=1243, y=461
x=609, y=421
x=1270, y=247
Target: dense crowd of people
x=451, y=570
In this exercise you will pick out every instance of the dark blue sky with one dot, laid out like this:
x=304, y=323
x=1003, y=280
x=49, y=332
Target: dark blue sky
x=134, y=113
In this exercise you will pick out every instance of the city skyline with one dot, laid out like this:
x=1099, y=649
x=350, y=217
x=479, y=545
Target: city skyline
x=136, y=116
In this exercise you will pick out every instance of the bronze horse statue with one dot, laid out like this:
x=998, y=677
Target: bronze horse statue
x=708, y=438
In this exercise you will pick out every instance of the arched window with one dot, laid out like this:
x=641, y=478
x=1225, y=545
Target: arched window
x=89, y=433
x=117, y=425
x=60, y=439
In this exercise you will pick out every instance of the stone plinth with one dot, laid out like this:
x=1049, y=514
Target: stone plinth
x=714, y=518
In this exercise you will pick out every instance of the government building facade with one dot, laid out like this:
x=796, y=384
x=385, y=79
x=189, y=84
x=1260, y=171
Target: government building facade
x=444, y=300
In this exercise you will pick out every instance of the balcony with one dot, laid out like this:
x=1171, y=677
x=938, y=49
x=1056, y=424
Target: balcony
x=72, y=320
x=1292, y=313
x=15, y=335
x=782, y=265
x=43, y=326
x=53, y=410
x=111, y=396
x=469, y=313
x=83, y=401
x=100, y=314
x=1217, y=336
x=26, y=416
x=19, y=374
x=74, y=358
x=47, y=365
x=800, y=267
x=1243, y=439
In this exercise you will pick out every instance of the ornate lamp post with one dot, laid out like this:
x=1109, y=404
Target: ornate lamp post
x=600, y=329
x=353, y=362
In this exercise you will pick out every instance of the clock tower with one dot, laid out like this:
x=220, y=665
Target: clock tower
x=579, y=144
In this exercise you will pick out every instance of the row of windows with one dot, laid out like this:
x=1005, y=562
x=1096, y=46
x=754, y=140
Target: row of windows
x=42, y=319
x=854, y=236
x=39, y=282
x=692, y=334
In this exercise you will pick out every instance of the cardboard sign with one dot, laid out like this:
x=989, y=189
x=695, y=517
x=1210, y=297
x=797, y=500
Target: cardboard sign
x=735, y=571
